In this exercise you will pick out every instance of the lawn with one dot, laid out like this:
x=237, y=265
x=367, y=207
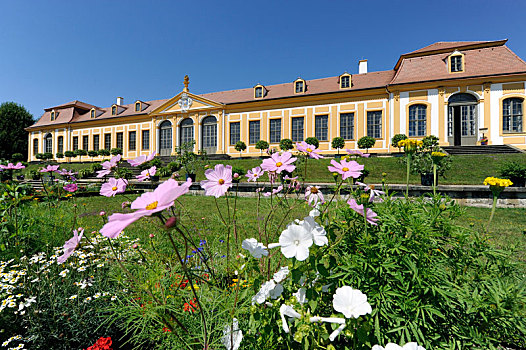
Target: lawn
x=465, y=169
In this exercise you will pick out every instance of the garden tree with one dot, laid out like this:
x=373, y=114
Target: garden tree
x=338, y=143
x=69, y=155
x=240, y=147
x=312, y=141
x=39, y=156
x=261, y=145
x=14, y=118
x=47, y=156
x=397, y=138
x=59, y=155
x=93, y=154
x=103, y=153
x=115, y=151
x=366, y=142
x=80, y=153
x=17, y=157
x=286, y=144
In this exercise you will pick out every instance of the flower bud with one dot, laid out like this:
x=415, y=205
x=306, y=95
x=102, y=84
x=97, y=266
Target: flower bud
x=151, y=235
x=171, y=222
x=135, y=246
x=102, y=213
x=236, y=175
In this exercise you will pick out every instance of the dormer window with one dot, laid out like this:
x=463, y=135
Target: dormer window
x=456, y=62
x=137, y=106
x=345, y=81
x=114, y=110
x=259, y=91
x=299, y=86
x=92, y=113
x=53, y=115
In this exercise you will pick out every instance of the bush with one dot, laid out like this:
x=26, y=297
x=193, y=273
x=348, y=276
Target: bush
x=174, y=166
x=103, y=152
x=96, y=167
x=430, y=143
x=240, y=147
x=93, y=153
x=366, y=142
x=116, y=151
x=397, y=138
x=286, y=144
x=156, y=162
x=514, y=171
x=39, y=156
x=35, y=175
x=17, y=157
x=312, y=141
x=123, y=173
x=239, y=170
x=262, y=145
x=47, y=156
x=59, y=155
x=70, y=154
x=164, y=172
x=85, y=173
x=338, y=143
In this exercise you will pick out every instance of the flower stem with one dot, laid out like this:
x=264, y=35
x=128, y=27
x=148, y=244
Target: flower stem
x=493, y=207
x=407, y=175
x=434, y=179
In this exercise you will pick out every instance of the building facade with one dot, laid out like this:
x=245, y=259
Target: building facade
x=457, y=91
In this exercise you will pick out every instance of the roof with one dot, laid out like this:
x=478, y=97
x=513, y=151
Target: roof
x=313, y=87
x=479, y=62
x=78, y=104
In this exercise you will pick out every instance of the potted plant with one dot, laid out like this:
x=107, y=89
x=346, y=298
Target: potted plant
x=515, y=172
x=423, y=162
x=190, y=161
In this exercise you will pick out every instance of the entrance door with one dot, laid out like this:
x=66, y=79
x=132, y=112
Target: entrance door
x=209, y=143
x=165, y=138
x=462, y=120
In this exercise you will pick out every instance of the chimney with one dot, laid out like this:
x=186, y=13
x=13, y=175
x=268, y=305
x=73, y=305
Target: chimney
x=120, y=100
x=362, y=66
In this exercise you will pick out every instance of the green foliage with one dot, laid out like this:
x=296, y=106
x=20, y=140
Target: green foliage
x=286, y=144
x=510, y=170
x=338, y=143
x=85, y=173
x=35, y=175
x=96, y=167
x=123, y=173
x=239, y=170
x=430, y=143
x=47, y=156
x=397, y=138
x=262, y=145
x=190, y=161
x=93, y=153
x=17, y=157
x=39, y=156
x=156, y=162
x=103, y=152
x=70, y=154
x=240, y=146
x=116, y=151
x=14, y=118
x=366, y=142
x=163, y=172
x=312, y=141
x=59, y=155
x=174, y=166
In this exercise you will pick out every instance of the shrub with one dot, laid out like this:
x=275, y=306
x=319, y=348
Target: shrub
x=17, y=157
x=156, y=162
x=103, y=152
x=93, y=153
x=312, y=141
x=70, y=154
x=35, y=175
x=174, y=166
x=116, y=151
x=286, y=144
x=59, y=155
x=96, y=167
x=164, y=172
x=262, y=145
x=47, y=156
x=338, y=143
x=430, y=143
x=85, y=173
x=239, y=170
x=240, y=147
x=123, y=173
x=80, y=153
x=366, y=142
x=514, y=171
x=39, y=156
x=397, y=138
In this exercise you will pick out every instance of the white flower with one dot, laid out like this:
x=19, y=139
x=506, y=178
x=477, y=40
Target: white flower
x=264, y=292
x=336, y=332
x=314, y=212
x=64, y=273
x=113, y=298
x=412, y=346
x=392, y=346
x=232, y=336
x=73, y=297
x=351, y=302
x=301, y=295
x=281, y=274
x=286, y=310
x=319, y=235
x=82, y=268
x=295, y=242
x=256, y=249
x=276, y=292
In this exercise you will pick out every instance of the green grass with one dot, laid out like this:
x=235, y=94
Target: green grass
x=465, y=169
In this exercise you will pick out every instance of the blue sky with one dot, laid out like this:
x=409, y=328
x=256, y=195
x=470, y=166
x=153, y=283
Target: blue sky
x=57, y=51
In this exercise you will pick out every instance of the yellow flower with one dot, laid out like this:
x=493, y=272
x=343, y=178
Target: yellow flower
x=496, y=182
x=438, y=154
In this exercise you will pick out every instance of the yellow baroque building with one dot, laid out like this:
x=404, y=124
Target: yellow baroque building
x=458, y=91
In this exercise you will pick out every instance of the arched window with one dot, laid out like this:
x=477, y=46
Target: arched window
x=60, y=144
x=186, y=133
x=165, y=138
x=512, y=114
x=209, y=132
x=114, y=110
x=258, y=91
x=48, y=144
x=417, y=120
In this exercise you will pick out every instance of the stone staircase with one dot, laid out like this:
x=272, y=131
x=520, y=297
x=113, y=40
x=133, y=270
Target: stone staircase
x=489, y=149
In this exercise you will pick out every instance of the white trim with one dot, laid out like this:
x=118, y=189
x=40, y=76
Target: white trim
x=432, y=95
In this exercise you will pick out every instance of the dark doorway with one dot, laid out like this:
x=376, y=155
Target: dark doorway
x=462, y=120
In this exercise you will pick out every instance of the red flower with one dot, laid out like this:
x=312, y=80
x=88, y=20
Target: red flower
x=166, y=329
x=101, y=344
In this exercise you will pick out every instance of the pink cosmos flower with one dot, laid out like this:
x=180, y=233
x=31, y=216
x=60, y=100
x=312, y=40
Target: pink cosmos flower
x=254, y=174
x=346, y=168
x=108, y=165
x=112, y=187
x=274, y=191
x=369, y=215
x=372, y=192
x=311, y=150
x=278, y=163
x=10, y=166
x=219, y=180
x=147, y=204
x=71, y=187
x=145, y=174
x=141, y=159
x=65, y=172
x=313, y=195
x=50, y=169
x=71, y=244
x=357, y=153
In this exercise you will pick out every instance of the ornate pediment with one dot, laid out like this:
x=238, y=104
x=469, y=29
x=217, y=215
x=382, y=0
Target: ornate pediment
x=186, y=102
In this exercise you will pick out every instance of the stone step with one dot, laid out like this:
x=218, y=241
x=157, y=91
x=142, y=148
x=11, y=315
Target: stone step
x=490, y=149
